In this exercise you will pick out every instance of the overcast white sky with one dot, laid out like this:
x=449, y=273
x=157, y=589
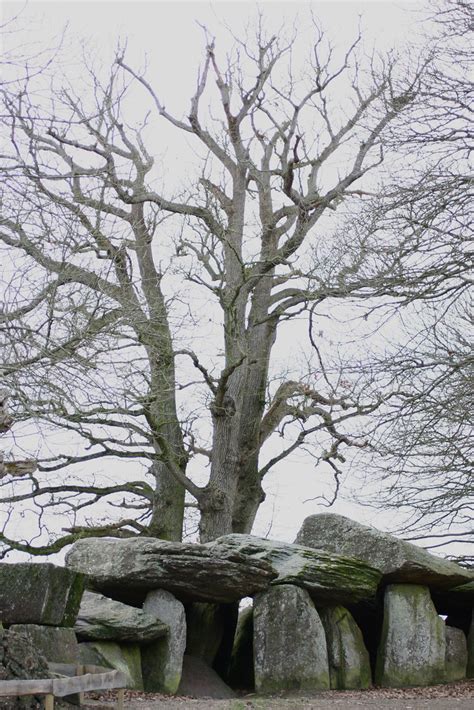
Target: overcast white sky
x=169, y=34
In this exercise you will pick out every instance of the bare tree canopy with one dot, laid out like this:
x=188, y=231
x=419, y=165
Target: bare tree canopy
x=426, y=468
x=142, y=319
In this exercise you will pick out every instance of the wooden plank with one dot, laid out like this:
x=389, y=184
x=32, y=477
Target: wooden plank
x=89, y=681
x=49, y=702
x=64, y=686
x=26, y=687
x=70, y=669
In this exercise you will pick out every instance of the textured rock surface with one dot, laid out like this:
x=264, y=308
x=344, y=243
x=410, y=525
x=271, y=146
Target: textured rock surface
x=56, y=644
x=162, y=661
x=349, y=663
x=413, y=646
x=289, y=642
x=127, y=569
x=122, y=657
x=199, y=680
x=39, y=594
x=102, y=619
x=470, y=650
x=399, y=561
x=327, y=577
x=204, y=630
x=456, y=654
x=241, y=672
x=20, y=661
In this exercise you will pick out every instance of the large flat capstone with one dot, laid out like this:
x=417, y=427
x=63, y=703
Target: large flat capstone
x=327, y=577
x=127, y=569
x=102, y=619
x=399, y=561
x=39, y=594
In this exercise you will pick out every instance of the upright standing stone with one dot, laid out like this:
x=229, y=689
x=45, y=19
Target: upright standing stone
x=413, y=646
x=470, y=650
x=162, y=660
x=123, y=657
x=289, y=642
x=456, y=654
x=349, y=663
x=241, y=671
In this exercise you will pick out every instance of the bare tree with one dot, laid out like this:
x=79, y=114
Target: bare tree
x=143, y=319
x=425, y=439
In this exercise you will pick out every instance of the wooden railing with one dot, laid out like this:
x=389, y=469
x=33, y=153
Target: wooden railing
x=87, y=678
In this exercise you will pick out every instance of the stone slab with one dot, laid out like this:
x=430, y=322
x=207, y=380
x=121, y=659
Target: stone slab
x=126, y=570
x=43, y=594
x=162, y=661
x=289, y=642
x=56, y=644
x=349, y=662
x=103, y=619
x=456, y=654
x=399, y=561
x=199, y=680
x=327, y=577
x=120, y=657
x=412, y=649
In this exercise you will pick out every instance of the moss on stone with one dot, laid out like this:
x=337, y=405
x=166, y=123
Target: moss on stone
x=74, y=600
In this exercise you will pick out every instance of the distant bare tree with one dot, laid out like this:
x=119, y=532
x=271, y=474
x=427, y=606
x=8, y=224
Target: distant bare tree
x=426, y=438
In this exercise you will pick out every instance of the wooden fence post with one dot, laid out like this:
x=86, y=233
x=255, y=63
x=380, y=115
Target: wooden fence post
x=120, y=699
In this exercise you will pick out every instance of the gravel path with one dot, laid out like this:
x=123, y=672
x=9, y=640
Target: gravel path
x=453, y=696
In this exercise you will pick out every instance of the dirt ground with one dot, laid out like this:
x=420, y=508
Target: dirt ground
x=453, y=696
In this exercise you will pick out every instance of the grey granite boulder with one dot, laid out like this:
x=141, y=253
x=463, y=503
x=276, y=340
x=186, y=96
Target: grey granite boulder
x=412, y=649
x=327, y=577
x=289, y=642
x=102, y=619
x=39, y=594
x=456, y=654
x=399, y=561
x=123, y=657
x=199, y=680
x=470, y=649
x=56, y=644
x=349, y=663
x=127, y=569
x=162, y=661
x=19, y=661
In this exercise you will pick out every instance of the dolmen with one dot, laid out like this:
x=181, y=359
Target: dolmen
x=344, y=606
